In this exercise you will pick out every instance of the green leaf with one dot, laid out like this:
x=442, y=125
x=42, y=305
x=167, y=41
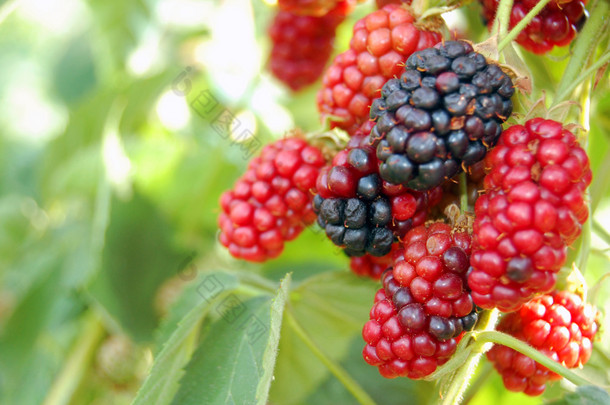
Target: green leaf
x=228, y=364
x=585, y=395
x=162, y=382
x=331, y=308
x=137, y=257
x=270, y=355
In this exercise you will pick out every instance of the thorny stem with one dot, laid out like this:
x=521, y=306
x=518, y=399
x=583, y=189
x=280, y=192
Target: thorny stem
x=348, y=382
x=514, y=33
x=584, y=46
x=585, y=243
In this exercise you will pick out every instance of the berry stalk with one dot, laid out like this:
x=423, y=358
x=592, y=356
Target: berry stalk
x=500, y=25
x=514, y=33
x=348, y=382
x=584, y=46
x=461, y=378
x=484, y=337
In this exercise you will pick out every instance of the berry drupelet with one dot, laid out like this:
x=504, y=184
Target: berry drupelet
x=443, y=114
x=560, y=325
x=424, y=305
x=272, y=202
x=532, y=209
x=381, y=43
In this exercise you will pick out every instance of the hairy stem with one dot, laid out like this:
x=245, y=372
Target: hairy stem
x=461, y=378
x=348, y=382
x=583, y=76
x=514, y=33
x=500, y=25
x=584, y=47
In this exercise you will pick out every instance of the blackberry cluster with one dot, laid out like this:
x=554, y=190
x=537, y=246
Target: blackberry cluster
x=532, y=209
x=555, y=25
x=560, y=325
x=272, y=202
x=381, y=42
x=443, y=114
x=424, y=305
x=301, y=47
x=358, y=210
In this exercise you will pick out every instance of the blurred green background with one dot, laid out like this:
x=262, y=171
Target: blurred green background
x=111, y=165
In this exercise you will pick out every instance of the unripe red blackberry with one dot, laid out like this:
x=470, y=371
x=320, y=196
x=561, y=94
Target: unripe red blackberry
x=424, y=305
x=560, y=325
x=360, y=212
x=555, y=25
x=272, y=202
x=316, y=8
x=533, y=208
x=301, y=46
x=381, y=43
x=443, y=114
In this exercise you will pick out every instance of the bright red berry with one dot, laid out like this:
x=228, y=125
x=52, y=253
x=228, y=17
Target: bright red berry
x=301, y=46
x=555, y=25
x=381, y=43
x=272, y=202
x=424, y=305
x=533, y=208
x=560, y=325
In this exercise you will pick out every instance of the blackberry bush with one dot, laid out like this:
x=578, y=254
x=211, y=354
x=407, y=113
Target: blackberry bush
x=442, y=115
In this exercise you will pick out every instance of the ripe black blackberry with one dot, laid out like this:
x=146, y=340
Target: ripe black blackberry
x=443, y=113
x=359, y=225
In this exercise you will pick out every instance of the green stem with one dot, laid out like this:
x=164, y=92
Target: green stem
x=523, y=348
x=601, y=231
x=462, y=376
x=463, y=193
x=481, y=379
x=584, y=47
x=514, y=33
x=500, y=25
x=348, y=382
x=77, y=362
x=583, y=76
